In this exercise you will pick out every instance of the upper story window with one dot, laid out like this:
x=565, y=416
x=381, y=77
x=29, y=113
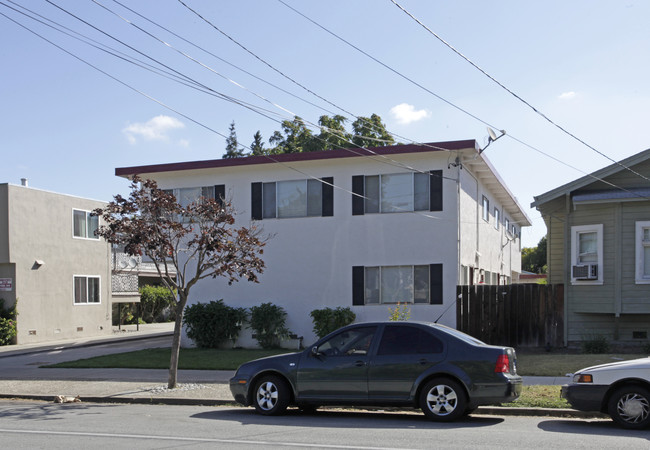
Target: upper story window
x=84, y=224
x=486, y=209
x=399, y=192
x=506, y=224
x=294, y=198
x=587, y=254
x=186, y=196
x=497, y=223
x=642, y=237
x=86, y=289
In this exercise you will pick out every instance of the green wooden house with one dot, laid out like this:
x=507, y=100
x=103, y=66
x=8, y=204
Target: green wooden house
x=599, y=248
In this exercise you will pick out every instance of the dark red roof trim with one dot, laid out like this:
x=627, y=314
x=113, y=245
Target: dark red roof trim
x=294, y=157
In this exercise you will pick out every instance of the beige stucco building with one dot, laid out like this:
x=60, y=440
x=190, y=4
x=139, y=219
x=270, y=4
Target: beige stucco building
x=54, y=265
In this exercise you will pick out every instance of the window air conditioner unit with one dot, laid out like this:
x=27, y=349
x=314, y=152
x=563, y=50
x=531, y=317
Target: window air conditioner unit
x=585, y=272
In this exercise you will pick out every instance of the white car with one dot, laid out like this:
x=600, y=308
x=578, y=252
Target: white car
x=620, y=389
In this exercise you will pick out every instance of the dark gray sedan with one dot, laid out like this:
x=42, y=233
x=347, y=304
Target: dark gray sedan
x=444, y=372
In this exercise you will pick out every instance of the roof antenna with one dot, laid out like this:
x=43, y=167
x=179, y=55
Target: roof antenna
x=493, y=137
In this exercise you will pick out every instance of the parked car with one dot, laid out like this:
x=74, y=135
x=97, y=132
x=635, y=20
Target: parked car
x=444, y=372
x=620, y=389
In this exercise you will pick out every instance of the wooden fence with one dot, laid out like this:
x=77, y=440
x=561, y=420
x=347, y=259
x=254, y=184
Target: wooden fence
x=518, y=315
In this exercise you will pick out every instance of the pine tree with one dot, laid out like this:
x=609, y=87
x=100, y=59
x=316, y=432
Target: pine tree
x=232, y=147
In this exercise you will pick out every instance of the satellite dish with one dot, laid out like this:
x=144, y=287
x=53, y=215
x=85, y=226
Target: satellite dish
x=493, y=135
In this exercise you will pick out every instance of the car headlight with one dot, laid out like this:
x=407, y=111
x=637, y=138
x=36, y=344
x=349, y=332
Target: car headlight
x=583, y=378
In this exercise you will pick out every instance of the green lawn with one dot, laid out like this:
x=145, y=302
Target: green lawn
x=158, y=358
x=540, y=397
x=557, y=364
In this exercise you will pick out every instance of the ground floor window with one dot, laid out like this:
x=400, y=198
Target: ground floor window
x=397, y=284
x=643, y=252
x=86, y=289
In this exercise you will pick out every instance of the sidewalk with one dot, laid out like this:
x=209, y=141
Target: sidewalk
x=21, y=378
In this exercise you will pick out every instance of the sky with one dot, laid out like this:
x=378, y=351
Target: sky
x=70, y=113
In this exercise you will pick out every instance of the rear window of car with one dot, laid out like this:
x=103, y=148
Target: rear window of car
x=401, y=340
x=459, y=334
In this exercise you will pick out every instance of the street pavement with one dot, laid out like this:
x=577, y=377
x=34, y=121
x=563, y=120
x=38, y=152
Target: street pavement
x=22, y=377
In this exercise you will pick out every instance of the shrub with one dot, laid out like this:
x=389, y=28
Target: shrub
x=268, y=324
x=400, y=312
x=7, y=323
x=595, y=344
x=7, y=331
x=327, y=320
x=211, y=324
x=154, y=302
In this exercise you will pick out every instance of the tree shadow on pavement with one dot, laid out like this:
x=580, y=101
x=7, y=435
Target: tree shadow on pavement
x=50, y=411
x=346, y=419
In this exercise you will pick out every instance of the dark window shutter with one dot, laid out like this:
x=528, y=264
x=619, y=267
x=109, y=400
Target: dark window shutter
x=357, y=285
x=220, y=193
x=357, y=202
x=328, y=196
x=435, y=287
x=435, y=190
x=256, y=201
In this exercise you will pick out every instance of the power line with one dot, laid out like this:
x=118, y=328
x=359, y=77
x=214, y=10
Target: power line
x=501, y=85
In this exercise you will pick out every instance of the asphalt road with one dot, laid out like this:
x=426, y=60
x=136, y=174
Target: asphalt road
x=64, y=426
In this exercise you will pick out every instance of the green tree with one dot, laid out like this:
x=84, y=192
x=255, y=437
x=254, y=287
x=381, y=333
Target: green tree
x=295, y=137
x=533, y=259
x=233, y=149
x=185, y=243
x=257, y=147
x=332, y=134
x=371, y=132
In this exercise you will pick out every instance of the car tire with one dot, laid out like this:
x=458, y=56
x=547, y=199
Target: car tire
x=629, y=407
x=271, y=395
x=443, y=400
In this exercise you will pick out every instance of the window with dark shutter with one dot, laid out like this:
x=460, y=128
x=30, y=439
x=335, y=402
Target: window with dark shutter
x=357, y=198
x=328, y=196
x=256, y=201
x=435, y=190
x=436, y=284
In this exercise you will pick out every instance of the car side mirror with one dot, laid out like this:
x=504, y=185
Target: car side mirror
x=314, y=351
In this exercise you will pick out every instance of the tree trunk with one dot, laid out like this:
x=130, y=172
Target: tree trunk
x=176, y=342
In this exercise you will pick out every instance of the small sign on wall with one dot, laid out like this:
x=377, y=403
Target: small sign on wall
x=6, y=284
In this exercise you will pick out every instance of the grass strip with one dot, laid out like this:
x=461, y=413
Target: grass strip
x=158, y=358
x=538, y=396
x=559, y=364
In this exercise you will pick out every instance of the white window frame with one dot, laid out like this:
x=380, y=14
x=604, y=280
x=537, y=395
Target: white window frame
x=90, y=235
x=415, y=199
x=497, y=218
x=486, y=209
x=312, y=194
x=99, y=290
x=380, y=291
x=506, y=225
x=640, y=245
x=575, y=242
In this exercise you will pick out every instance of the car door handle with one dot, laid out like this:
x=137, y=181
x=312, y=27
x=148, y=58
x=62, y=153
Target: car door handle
x=423, y=361
x=360, y=363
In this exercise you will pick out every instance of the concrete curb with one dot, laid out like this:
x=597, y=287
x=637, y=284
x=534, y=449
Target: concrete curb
x=484, y=410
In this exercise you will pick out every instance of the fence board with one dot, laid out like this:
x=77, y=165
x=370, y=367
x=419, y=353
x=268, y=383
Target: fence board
x=514, y=315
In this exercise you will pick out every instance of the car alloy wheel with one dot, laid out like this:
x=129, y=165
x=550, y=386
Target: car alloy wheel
x=443, y=399
x=630, y=407
x=271, y=395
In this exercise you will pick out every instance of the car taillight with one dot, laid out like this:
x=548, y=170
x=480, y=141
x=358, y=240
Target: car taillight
x=503, y=364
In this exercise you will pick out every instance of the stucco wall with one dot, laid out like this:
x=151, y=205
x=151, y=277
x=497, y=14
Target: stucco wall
x=40, y=229
x=309, y=260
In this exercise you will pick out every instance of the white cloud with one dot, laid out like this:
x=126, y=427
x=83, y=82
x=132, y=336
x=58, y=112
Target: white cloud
x=567, y=95
x=156, y=129
x=405, y=113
